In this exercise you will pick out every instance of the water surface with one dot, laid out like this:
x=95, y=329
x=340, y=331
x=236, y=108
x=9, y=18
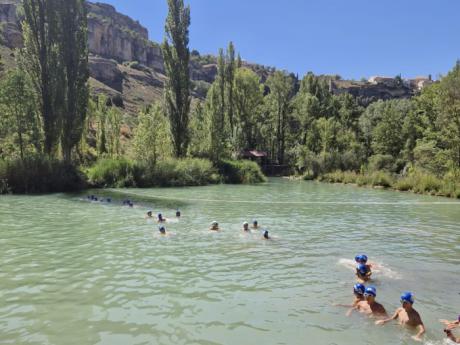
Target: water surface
x=76, y=272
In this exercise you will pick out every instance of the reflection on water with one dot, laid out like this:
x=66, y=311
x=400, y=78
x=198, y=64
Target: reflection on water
x=76, y=272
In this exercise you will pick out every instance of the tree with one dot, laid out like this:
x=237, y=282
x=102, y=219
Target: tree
x=449, y=118
x=281, y=93
x=230, y=83
x=248, y=97
x=40, y=60
x=199, y=128
x=151, y=137
x=18, y=112
x=215, y=107
x=74, y=56
x=177, y=88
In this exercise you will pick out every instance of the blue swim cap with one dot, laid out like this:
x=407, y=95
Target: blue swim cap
x=361, y=258
x=254, y=222
x=371, y=291
x=407, y=297
x=362, y=268
x=162, y=229
x=359, y=289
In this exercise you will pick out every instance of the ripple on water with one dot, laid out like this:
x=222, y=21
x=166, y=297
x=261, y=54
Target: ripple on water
x=75, y=272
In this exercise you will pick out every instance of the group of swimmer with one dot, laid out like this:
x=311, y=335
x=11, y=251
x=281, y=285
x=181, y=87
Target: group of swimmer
x=365, y=302
x=213, y=227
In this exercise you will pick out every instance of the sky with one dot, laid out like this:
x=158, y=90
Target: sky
x=352, y=38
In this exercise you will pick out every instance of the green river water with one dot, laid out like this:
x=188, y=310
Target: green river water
x=79, y=272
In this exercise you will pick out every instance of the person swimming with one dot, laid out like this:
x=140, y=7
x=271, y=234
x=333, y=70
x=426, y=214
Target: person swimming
x=255, y=224
x=160, y=218
x=246, y=226
x=178, y=215
x=407, y=316
x=266, y=236
x=214, y=226
x=451, y=324
x=162, y=230
x=109, y=200
x=149, y=214
x=370, y=306
x=363, y=273
x=358, y=292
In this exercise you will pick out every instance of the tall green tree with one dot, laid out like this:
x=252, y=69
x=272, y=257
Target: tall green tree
x=176, y=55
x=73, y=49
x=230, y=83
x=281, y=92
x=18, y=120
x=249, y=100
x=40, y=60
x=151, y=137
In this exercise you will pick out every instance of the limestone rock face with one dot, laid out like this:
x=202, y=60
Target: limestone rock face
x=107, y=72
x=116, y=36
x=10, y=32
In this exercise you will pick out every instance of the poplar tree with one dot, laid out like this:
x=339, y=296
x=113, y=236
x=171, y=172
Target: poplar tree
x=176, y=56
x=230, y=82
x=73, y=48
x=40, y=60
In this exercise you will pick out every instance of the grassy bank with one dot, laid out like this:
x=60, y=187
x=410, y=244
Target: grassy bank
x=416, y=182
x=39, y=174
x=171, y=173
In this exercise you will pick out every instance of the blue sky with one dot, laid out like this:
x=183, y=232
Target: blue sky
x=353, y=38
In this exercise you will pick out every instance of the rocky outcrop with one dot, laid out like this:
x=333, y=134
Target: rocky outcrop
x=107, y=72
x=116, y=36
x=10, y=32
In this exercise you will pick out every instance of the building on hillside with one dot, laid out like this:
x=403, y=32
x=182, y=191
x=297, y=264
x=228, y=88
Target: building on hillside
x=383, y=80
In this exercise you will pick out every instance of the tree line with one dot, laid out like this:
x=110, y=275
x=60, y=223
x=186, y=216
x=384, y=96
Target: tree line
x=301, y=124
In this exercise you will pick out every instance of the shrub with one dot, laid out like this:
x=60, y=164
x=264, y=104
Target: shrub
x=180, y=172
x=38, y=174
x=242, y=171
x=381, y=179
x=116, y=173
x=382, y=162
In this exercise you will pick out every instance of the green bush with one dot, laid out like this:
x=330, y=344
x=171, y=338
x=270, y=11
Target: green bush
x=382, y=162
x=242, y=171
x=38, y=174
x=381, y=179
x=180, y=172
x=116, y=173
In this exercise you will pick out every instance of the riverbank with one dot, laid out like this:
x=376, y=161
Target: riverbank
x=37, y=174
x=415, y=182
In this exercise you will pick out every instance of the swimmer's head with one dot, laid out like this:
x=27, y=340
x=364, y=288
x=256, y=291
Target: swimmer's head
x=162, y=230
x=214, y=224
x=177, y=213
x=266, y=235
x=370, y=292
x=359, y=289
x=362, y=259
x=109, y=200
x=160, y=216
x=149, y=213
x=255, y=222
x=407, y=297
x=362, y=269
x=245, y=225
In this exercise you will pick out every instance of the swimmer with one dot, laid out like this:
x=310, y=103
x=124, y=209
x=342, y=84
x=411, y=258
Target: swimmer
x=160, y=218
x=358, y=292
x=246, y=227
x=214, y=226
x=363, y=273
x=131, y=205
x=451, y=324
x=369, y=306
x=162, y=230
x=149, y=214
x=266, y=236
x=255, y=224
x=178, y=214
x=109, y=200
x=362, y=259
x=407, y=316
x=452, y=337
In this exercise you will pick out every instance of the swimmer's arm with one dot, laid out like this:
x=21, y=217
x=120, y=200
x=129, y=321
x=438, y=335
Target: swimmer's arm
x=384, y=321
x=421, y=331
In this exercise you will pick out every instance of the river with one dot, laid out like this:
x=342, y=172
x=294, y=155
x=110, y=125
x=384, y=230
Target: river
x=79, y=272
